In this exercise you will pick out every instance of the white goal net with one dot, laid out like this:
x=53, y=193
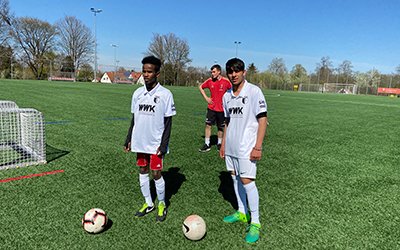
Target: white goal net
x=340, y=88
x=22, y=138
x=8, y=105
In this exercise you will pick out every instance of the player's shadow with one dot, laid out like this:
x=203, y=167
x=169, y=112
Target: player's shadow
x=173, y=182
x=213, y=139
x=53, y=153
x=226, y=188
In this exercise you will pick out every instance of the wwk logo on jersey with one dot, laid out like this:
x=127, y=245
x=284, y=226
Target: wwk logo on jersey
x=236, y=111
x=147, y=108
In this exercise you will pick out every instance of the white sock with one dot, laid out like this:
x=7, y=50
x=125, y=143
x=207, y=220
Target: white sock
x=144, y=181
x=240, y=194
x=219, y=140
x=207, y=141
x=253, y=198
x=160, y=188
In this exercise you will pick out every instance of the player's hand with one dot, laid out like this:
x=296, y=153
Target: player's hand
x=209, y=101
x=222, y=151
x=160, y=151
x=255, y=154
x=127, y=148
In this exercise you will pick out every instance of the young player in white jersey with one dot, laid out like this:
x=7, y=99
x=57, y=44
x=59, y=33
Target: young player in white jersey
x=152, y=110
x=245, y=112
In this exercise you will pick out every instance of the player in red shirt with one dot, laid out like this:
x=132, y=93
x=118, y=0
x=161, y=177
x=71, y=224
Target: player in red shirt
x=217, y=85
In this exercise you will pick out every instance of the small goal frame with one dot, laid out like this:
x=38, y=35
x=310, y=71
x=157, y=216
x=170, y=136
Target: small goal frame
x=340, y=88
x=22, y=138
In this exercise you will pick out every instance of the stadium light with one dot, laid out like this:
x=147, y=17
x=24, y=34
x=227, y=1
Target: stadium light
x=237, y=44
x=95, y=12
x=115, y=60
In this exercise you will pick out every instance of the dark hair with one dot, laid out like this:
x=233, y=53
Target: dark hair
x=216, y=66
x=234, y=64
x=152, y=60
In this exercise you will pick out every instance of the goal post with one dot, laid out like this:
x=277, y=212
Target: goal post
x=22, y=138
x=62, y=76
x=340, y=88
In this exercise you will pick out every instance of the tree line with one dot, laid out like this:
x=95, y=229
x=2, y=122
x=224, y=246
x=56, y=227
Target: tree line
x=325, y=72
x=33, y=48
x=30, y=43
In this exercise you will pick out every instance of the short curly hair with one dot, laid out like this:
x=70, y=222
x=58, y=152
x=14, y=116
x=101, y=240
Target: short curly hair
x=152, y=60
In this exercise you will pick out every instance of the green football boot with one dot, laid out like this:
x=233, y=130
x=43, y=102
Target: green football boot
x=144, y=210
x=253, y=233
x=162, y=212
x=237, y=217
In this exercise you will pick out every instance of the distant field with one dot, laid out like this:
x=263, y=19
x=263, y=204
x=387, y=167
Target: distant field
x=329, y=178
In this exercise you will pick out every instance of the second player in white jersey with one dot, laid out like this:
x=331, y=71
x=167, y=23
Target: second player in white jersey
x=246, y=121
x=242, y=112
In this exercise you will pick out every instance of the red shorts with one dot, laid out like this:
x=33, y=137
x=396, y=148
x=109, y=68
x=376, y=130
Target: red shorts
x=155, y=161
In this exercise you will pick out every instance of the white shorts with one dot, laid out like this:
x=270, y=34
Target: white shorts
x=244, y=168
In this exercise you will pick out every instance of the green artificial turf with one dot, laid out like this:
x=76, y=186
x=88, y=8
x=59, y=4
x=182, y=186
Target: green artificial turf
x=329, y=177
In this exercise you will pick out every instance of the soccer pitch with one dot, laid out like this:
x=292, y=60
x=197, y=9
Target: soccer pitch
x=329, y=176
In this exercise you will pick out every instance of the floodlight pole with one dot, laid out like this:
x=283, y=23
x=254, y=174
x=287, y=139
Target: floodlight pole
x=95, y=12
x=115, y=60
x=237, y=44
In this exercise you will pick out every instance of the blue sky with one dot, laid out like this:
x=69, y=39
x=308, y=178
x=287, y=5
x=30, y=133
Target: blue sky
x=366, y=32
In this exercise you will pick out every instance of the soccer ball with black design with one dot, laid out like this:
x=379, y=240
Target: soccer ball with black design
x=194, y=227
x=95, y=220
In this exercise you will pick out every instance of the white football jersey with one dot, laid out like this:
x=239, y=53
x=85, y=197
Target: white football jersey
x=241, y=133
x=150, y=108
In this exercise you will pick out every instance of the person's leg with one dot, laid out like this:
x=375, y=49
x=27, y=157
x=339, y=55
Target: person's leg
x=220, y=125
x=143, y=162
x=240, y=215
x=240, y=194
x=156, y=165
x=253, y=199
x=144, y=181
x=210, y=120
x=160, y=185
x=207, y=134
x=220, y=135
x=248, y=171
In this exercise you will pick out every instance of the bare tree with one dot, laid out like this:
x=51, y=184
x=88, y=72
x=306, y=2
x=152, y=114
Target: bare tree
x=173, y=53
x=157, y=47
x=324, y=69
x=277, y=67
x=278, y=70
x=75, y=40
x=346, y=70
x=34, y=37
x=4, y=16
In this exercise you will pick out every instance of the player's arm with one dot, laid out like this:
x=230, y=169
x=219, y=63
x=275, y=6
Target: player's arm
x=256, y=152
x=127, y=145
x=162, y=150
x=222, y=149
x=203, y=93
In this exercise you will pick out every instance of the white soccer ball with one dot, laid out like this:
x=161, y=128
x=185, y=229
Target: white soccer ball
x=194, y=227
x=94, y=221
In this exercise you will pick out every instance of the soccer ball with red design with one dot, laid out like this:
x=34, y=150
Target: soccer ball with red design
x=194, y=227
x=95, y=220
